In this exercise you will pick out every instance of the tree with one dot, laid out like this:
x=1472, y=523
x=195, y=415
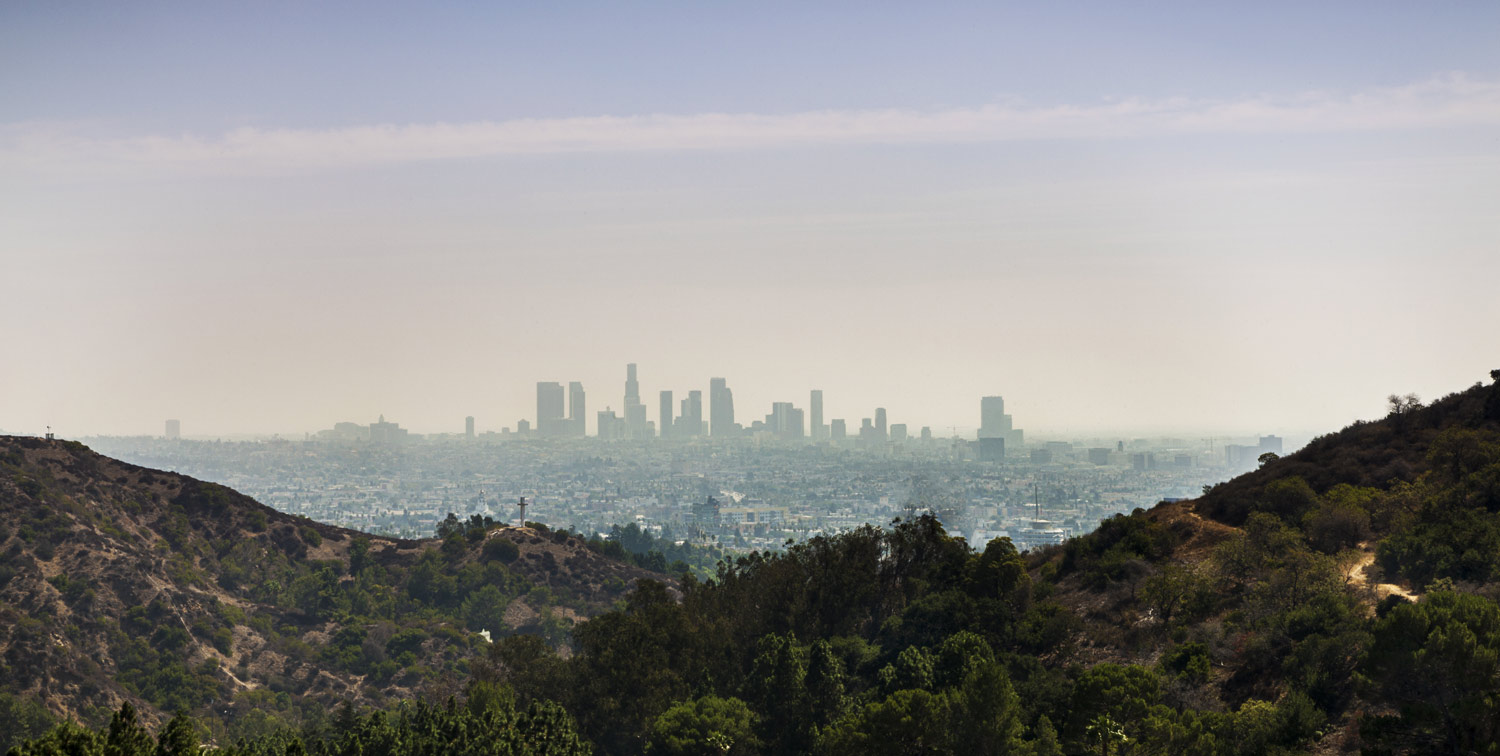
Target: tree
x=126, y=735
x=1438, y=663
x=178, y=738
x=707, y=726
x=22, y=717
x=776, y=686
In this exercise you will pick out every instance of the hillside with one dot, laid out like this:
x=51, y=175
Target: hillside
x=1338, y=600
x=124, y=584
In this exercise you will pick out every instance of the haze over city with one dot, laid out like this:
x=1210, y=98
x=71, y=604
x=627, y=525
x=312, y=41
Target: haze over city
x=1173, y=219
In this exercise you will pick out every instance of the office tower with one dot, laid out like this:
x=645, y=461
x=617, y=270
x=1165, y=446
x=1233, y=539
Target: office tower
x=867, y=431
x=666, y=414
x=1099, y=456
x=1270, y=444
x=174, y=429
x=549, y=409
x=880, y=422
x=469, y=426
x=926, y=433
x=632, y=387
x=382, y=432
x=611, y=426
x=815, y=416
x=577, y=406
x=994, y=423
x=836, y=430
x=898, y=432
x=720, y=408
x=635, y=411
x=691, y=419
x=785, y=420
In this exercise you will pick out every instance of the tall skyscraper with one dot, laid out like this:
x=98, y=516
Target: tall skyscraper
x=666, y=414
x=880, y=429
x=691, y=420
x=815, y=415
x=576, y=409
x=994, y=423
x=785, y=420
x=174, y=429
x=720, y=408
x=836, y=430
x=632, y=387
x=469, y=426
x=635, y=412
x=549, y=409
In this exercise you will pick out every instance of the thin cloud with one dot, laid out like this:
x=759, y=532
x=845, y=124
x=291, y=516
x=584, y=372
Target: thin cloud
x=1451, y=101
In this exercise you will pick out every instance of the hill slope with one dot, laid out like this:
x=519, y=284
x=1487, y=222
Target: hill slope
x=1339, y=599
x=120, y=583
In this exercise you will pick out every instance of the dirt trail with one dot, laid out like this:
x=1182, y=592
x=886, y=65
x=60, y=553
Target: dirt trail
x=1356, y=576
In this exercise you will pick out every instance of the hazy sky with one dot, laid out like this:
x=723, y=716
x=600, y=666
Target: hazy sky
x=1123, y=217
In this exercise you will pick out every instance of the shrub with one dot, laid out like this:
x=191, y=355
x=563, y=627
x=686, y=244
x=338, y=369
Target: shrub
x=501, y=549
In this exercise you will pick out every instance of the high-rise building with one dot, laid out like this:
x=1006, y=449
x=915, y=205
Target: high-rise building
x=469, y=426
x=994, y=423
x=720, y=408
x=880, y=427
x=898, y=432
x=635, y=411
x=1270, y=444
x=666, y=414
x=691, y=420
x=610, y=426
x=926, y=433
x=523, y=427
x=815, y=416
x=382, y=432
x=785, y=420
x=577, y=406
x=549, y=409
x=632, y=386
x=836, y=430
x=174, y=429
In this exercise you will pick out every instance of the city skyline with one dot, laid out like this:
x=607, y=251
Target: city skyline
x=561, y=410
x=557, y=412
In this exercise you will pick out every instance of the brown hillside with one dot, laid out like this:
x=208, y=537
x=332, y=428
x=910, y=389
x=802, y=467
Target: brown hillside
x=123, y=583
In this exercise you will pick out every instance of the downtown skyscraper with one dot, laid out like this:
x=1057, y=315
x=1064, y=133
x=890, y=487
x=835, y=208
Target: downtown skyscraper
x=721, y=408
x=815, y=416
x=549, y=409
x=577, y=409
x=635, y=411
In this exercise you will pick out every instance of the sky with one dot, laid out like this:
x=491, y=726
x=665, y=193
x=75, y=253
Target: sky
x=1125, y=218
